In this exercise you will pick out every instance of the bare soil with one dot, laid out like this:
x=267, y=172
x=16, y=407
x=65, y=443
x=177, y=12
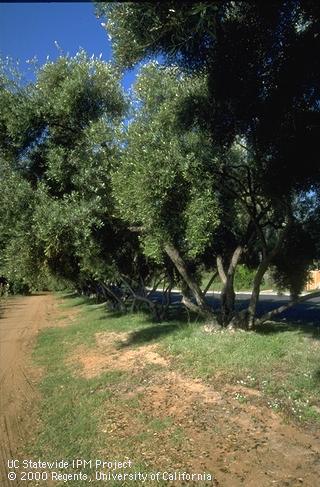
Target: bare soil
x=21, y=318
x=241, y=444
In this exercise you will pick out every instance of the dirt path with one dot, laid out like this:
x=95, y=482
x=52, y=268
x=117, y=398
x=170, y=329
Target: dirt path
x=20, y=320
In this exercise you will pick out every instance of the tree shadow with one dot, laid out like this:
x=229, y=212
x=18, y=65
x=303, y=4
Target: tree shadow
x=80, y=299
x=272, y=327
x=317, y=375
x=176, y=312
x=152, y=333
x=114, y=314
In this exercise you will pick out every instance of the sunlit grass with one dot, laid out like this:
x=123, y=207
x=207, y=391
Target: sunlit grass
x=283, y=363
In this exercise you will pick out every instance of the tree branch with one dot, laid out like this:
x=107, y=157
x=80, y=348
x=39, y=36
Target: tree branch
x=136, y=296
x=284, y=307
x=176, y=258
x=206, y=289
x=234, y=261
x=194, y=307
x=221, y=270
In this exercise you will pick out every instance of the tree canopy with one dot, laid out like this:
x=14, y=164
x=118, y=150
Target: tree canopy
x=59, y=143
x=210, y=162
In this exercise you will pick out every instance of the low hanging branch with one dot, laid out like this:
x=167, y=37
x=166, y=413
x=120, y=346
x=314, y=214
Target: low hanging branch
x=166, y=300
x=155, y=285
x=137, y=297
x=113, y=295
x=204, y=312
x=284, y=307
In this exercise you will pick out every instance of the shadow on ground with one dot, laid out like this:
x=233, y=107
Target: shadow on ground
x=305, y=318
x=152, y=333
x=79, y=299
x=308, y=329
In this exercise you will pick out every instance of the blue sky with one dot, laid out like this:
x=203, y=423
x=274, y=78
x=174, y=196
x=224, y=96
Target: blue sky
x=31, y=29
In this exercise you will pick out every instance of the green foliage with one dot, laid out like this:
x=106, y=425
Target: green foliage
x=202, y=219
x=204, y=161
x=243, y=280
x=140, y=30
x=18, y=258
x=243, y=277
x=58, y=147
x=262, y=75
x=259, y=85
x=163, y=183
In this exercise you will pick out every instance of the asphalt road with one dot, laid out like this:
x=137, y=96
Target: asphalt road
x=306, y=312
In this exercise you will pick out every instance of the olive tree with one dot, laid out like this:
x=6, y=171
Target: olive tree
x=261, y=93
x=59, y=143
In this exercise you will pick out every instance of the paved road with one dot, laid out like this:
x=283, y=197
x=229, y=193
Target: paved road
x=306, y=312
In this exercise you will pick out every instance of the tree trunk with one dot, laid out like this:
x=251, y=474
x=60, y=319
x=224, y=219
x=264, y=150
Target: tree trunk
x=251, y=311
x=114, y=297
x=227, y=302
x=136, y=297
x=206, y=289
x=192, y=306
x=263, y=266
x=202, y=306
x=227, y=294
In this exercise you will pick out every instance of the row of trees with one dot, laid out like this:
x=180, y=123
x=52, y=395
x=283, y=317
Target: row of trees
x=210, y=163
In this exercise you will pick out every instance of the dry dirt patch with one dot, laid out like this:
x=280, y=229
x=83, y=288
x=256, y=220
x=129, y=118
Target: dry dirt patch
x=240, y=389
x=241, y=444
x=111, y=353
x=172, y=394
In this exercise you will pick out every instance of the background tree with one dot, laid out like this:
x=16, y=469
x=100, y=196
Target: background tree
x=58, y=145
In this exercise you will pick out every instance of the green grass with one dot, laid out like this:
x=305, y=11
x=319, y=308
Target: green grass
x=283, y=363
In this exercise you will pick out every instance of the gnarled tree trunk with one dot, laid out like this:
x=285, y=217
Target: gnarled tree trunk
x=227, y=294
x=251, y=311
x=200, y=306
x=263, y=266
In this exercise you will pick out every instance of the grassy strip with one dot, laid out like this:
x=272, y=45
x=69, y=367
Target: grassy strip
x=283, y=363
x=73, y=408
